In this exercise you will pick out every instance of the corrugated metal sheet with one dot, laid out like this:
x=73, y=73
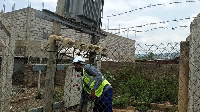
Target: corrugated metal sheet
x=87, y=9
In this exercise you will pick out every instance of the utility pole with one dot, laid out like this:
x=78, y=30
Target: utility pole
x=51, y=64
x=40, y=72
x=183, y=77
x=94, y=40
x=7, y=65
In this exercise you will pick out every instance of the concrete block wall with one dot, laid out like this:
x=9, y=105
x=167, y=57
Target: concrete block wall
x=194, y=65
x=120, y=49
x=31, y=30
x=18, y=18
x=152, y=70
x=70, y=33
x=40, y=27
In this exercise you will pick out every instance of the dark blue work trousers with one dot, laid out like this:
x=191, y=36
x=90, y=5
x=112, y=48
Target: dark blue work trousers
x=104, y=102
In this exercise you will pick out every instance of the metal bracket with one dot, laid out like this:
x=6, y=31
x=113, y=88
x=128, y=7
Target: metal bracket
x=69, y=22
x=43, y=67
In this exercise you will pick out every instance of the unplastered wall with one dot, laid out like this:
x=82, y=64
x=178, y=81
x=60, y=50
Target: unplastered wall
x=18, y=19
x=119, y=49
x=194, y=65
x=40, y=28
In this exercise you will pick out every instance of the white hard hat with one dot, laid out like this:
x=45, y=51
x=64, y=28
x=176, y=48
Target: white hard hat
x=79, y=59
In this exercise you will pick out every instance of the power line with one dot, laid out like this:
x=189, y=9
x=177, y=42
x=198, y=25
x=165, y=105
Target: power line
x=149, y=6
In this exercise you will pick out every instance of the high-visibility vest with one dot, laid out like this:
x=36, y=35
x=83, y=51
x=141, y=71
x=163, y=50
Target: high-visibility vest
x=88, y=83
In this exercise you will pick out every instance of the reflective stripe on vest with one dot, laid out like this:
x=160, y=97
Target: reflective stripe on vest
x=88, y=84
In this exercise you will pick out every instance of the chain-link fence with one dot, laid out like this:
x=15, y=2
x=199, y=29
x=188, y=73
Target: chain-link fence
x=149, y=82
x=144, y=77
x=152, y=77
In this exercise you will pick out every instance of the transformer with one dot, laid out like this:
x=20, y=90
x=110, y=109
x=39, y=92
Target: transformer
x=86, y=11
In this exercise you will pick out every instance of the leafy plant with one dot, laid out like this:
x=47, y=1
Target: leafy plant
x=38, y=95
x=134, y=87
x=58, y=94
x=142, y=108
x=121, y=101
x=110, y=77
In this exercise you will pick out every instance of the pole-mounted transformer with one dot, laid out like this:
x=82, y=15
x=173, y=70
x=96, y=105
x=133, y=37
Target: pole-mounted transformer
x=86, y=11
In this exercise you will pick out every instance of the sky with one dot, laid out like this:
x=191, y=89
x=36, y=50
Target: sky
x=146, y=21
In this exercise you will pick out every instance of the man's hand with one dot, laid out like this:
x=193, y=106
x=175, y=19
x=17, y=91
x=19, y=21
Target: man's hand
x=92, y=95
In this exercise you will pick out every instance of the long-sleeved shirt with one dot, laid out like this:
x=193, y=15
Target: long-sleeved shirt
x=92, y=71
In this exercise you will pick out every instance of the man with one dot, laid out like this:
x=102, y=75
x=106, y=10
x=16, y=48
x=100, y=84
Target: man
x=95, y=87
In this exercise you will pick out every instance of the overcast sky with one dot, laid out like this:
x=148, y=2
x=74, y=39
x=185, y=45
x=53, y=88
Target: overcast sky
x=157, y=17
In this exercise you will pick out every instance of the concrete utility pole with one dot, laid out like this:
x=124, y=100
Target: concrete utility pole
x=94, y=40
x=7, y=66
x=183, y=77
x=92, y=56
x=51, y=64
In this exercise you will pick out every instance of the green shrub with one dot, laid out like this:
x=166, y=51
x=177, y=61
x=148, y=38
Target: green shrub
x=109, y=77
x=121, y=101
x=133, y=87
x=142, y=107
x=58, y=94
x=38, y=95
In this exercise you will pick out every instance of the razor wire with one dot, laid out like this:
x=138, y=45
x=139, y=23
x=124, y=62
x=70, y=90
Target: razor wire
x=150, y=6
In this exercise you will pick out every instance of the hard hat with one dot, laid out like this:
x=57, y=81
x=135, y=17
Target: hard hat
x=79, y=59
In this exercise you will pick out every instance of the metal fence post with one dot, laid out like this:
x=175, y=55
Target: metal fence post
x=7, y=66
x=183, y=77
x=40, y=72
x=51, y=64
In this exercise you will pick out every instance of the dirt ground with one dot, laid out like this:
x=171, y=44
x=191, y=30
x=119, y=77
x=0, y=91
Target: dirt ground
x=24, y=98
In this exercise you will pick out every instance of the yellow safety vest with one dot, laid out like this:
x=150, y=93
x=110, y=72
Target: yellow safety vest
x=88, y=83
